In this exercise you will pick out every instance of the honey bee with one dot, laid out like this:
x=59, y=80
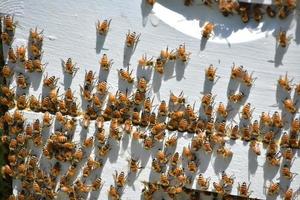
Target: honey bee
x=6, y=38
x=97, y=184
x=18, y=117
x=78, y=155
x=88, y=142
x=6, y=91
x=268, y=137
x=273, y=189
x=225, y=152
x=276, y=120
x=237, y=71
x=286, y=173
x=284, y=140
x=202, y=182
x=288, y=195
x=85, y=121
x=188, y=2
x=21, y=81
x=244, y=190
x=177, y=99
x=11, y=55
x=102, y=87
x=151, y=2
x=270, y=11
x=207, y=99
x=171, y=141
x=70, y=67
x=284, y=82
x=164, y=180
x=105, y=63
x=9, y=23
x=37, y=65
x=113, y=193
x=192, y=166
x=219, y=188
x=247, y=111
x=163, y=108
x=257, y=13
x=158, y=128
x=50, y=81
x=86, y=93
x=36, y=36
x=295, y=126
x=103, y=150
x=102, y=28
x=139, y=97
x=254, y=145
x=210, y=72
x=265, y=119
x=145, y=62
x=208, y=29
x=283, y=39
x=288, y=154
x=6, y=71
x=227, y=7
x=208, y=148
x=161, y=157
x=148, y=143
x=222, y=110
x=120, y=179
x=134, y=165
x=273, y=160
x=166, y=55
x=159, y=66
x=36, y=52
x=227, y=180
x=182, y=54
x=289, y=105
x=132, y=39
x=142, y=84
x=248, y=79
x=21, y=53
x=22, y=102
x=126, y=75
x=187, y=152
x=156, y=166
x=89, y=77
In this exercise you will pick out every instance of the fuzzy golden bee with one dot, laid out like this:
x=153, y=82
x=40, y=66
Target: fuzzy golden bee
x=144, y=61
x=126, y=75
x=103, y=27
x=244, y=190
x=283, y=39
x=21, y=81
x=208, y=29
x=9, y=23
x=12, y=57
x=105, y=62
x=7, y=71
x=6, y=38
x=132, y=38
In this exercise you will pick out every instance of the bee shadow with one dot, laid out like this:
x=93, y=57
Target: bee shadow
x=83, y=134
x=146, y=10
x=124, y=86
x=279, y=54
x=208, y=85
x=67, y=77
x=100, y=39
x=103, y=74
x=35, y=78
x=145, y=72
x=179, y=69
x=281, y=95
x=232, y=86
x=269, y=172
x=252, y=163
x=296, y=100
x=203, y=43
x=114, y=152
x=125, y=141
x=169, y=70
x=205, y=160
x=221, y=164
x=156, y=82
x=128, y=51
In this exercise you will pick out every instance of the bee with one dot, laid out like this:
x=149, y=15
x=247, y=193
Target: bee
x=276, y=120
x=85, y=121
x=37, y=65
x=188, y=2
x=210, y=72
x=151, y=2
x=283, y=12
x=284, y=140
x=6, y=38
x=6, y=71
x=295, y=126
x=9, y=23
x=159, y=66
x=88, y=142
x=219, y=188
x=284, y=82
x=202, y=182
x=70, y=67
x=105, y=63
x=126, y=75
x=171, y=141
x=244, y=190
x=265, y=119
x=132, y=39
x=11, y=55
x=268, y=137
x=148, y=143
x=53, y=95
x=222, y=110
x=103, y=150
x=97, y=184
x=158, y=128
x=89, y=77
x=103, y=27
x=288, y=154
x=283, y=39
x=21, y=81
x=227, y=180
x=161, y=157
x=163, y=108
x=50, y=81
x=247, y=111
x=156, y=166
x=36, y=36
x=192, y=166
x=257, y=13
x=142, y=84
x=70, y=124
x=35, y=50
x=288, y=195
x=207, y=99
x=29, y=65
x=12, y=160
x=21, y=53
x=102, y=87
x=270, y=11
x=86, y=93
x=208, y=148
x=286, y=173
x=273, y=160
x=164, y=180
x=13, y=144
x=225, y=152
x=177, y=99
x=236, y=71
x=208, y=29
x=134, y=165
x=227, y=7
x=182, y=125
x=120, y=179
x=248, y=79
x=18, y=117
x=254, y=146
x=78, y=155
x=182, y=54
x=145, y=62
x=22, y=102
x=113, y=193
x=273, y=189
x=289, y=105
x=187, y=152
x=6, y=91
x=166, y=55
